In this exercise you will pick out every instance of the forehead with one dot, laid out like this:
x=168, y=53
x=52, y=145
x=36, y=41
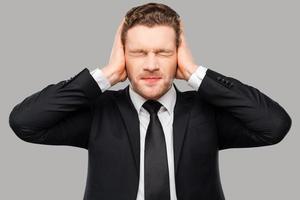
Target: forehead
x=159, y=36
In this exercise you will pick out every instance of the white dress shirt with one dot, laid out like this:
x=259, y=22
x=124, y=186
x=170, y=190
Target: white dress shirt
x=165, y=115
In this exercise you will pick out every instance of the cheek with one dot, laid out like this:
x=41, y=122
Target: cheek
x=170, y=67
x=132, y=71
x=129, y=65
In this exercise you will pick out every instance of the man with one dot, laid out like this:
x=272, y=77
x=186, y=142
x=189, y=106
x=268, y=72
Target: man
x=150, y=140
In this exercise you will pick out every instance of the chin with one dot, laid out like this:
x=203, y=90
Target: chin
x=153, y=94
x=154, y=97
x=150, y=91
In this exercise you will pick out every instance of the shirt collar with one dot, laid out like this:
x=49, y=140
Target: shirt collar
x=167, y=100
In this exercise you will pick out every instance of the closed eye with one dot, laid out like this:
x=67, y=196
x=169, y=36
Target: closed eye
x=138, y=53
x=159, y=53
x=164, y=53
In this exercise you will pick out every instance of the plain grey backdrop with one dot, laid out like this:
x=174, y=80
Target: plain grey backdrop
x=44, y=42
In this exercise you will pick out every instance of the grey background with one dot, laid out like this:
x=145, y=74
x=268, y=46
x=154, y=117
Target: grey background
x=44, y=42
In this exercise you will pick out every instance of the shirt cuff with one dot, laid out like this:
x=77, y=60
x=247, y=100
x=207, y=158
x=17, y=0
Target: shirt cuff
x=197, y=77
x=101, y=80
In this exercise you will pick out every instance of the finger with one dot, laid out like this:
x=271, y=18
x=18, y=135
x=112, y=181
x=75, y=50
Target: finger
x=181, y=24
x=182, y=35
x=118, y=42
x=121, y=25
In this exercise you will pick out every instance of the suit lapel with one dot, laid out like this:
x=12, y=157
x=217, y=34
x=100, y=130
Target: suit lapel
x=131, y=121
x=180, y=122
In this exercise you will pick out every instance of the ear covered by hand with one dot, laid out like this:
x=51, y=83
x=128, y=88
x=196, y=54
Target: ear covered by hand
x=115, y=70
x=185, y=62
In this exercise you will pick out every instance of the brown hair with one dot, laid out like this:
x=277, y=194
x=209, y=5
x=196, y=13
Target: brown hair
x=151, y=14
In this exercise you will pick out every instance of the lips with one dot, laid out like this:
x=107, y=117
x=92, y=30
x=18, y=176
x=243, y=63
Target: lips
x=151, y=79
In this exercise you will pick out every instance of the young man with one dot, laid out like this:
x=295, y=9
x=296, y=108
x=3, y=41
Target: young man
x=150, y=140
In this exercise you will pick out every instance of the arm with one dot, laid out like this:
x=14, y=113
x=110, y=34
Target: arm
x=59, y=114
x=245, y=116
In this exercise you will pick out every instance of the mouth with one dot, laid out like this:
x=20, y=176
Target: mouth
x=151, y=79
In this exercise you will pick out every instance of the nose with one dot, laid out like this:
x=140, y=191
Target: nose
x=151, y=63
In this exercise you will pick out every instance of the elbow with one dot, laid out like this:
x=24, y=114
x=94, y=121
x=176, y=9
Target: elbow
x=15, y=125
x=281, y=126
x=20, y=129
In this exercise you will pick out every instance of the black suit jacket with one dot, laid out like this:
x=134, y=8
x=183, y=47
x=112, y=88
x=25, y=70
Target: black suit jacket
x=224, y=113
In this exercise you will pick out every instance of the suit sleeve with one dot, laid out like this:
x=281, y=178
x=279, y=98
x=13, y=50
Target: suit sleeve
x=59, y=114
x=245, y=117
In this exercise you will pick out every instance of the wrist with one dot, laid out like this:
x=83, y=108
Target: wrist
x=189, y=71
x=111, y=75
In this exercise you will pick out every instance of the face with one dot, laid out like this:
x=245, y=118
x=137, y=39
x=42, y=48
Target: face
x=151, y=59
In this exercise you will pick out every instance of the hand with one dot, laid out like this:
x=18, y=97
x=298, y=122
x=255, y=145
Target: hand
x=115, y=71
x=185, y=62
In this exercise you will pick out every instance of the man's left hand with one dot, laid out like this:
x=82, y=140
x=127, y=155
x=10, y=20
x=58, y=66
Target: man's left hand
x=185, y=62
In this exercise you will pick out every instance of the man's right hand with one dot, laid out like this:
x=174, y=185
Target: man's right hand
x=115, y=71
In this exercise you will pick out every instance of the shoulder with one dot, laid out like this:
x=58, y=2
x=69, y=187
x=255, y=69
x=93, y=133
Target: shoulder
x=197, y=103
x=109, y=97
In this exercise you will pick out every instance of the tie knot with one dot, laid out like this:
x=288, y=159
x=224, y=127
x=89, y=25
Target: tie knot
x=152, y=106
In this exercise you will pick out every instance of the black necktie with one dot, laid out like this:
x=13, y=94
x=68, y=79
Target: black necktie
x=156, y=165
